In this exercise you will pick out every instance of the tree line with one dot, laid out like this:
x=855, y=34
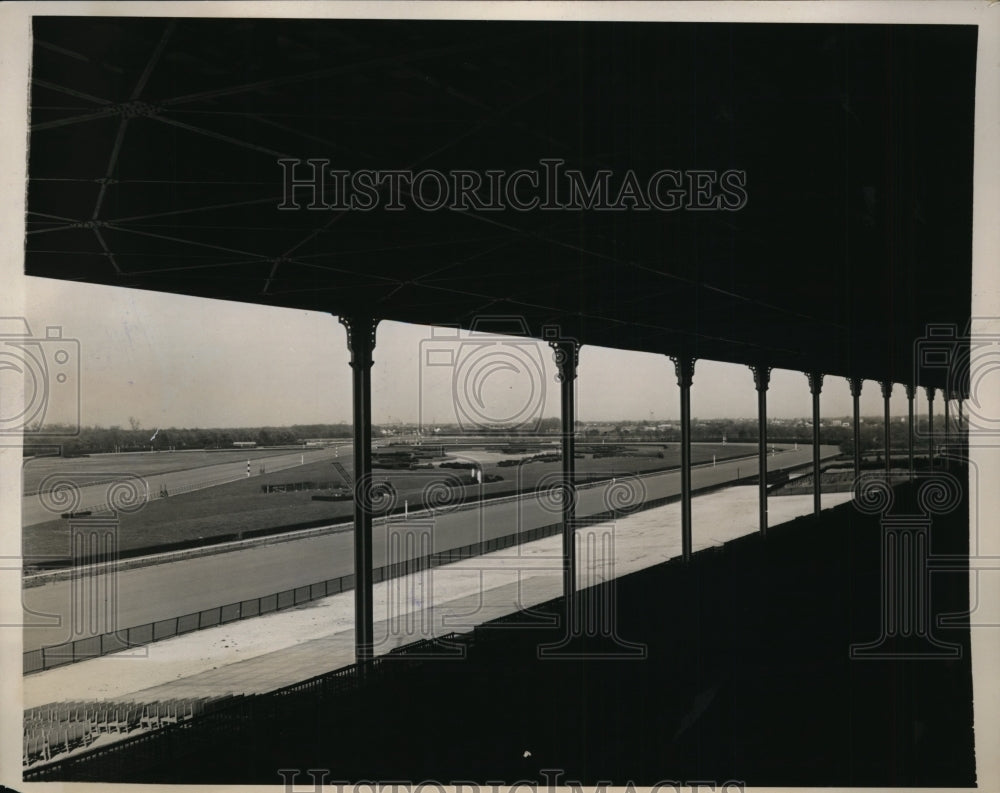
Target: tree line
x=97, y=440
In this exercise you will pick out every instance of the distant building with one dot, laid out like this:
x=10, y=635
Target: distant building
x=244, y=444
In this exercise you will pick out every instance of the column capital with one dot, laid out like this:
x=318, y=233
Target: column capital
x=911, y=390
x=566, y=353
x=815, y=382
x=684, y=369
x=761, y=375
x=886, y=388
x=360, y=337
x=855, y=383
x=930, y=392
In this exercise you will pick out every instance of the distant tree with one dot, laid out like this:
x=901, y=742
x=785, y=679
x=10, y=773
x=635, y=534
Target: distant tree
x=550, y=424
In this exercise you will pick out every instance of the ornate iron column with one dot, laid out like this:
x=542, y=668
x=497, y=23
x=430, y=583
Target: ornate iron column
x=856, y=383
x=815, y=386
x=567, y=358
x=761, y=379
x=930, y=426
x=947, y=424
x=591, y=614
x=910, y=392
x=684, y=369
x=886, y=393
x=361, y=342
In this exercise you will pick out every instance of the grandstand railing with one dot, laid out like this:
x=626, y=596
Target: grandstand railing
x=224, y=722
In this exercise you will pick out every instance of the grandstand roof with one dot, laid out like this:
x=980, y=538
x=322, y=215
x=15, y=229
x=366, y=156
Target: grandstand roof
x=154, y=151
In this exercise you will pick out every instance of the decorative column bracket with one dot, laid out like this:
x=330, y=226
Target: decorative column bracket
x=684, y=370
x=567, y=357
x=815, y=388
x=360, y=338
x=761, y=376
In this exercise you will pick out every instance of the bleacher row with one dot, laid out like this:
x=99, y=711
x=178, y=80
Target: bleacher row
x=59, y=728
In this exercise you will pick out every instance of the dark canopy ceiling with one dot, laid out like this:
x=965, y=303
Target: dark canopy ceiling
x=155, y=143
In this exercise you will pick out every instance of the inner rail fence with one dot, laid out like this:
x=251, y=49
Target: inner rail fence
x=140, y=635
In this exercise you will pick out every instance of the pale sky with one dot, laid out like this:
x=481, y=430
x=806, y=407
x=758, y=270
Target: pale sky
x=179, y=361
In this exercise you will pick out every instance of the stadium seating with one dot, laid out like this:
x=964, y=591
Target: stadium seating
x=57, y=729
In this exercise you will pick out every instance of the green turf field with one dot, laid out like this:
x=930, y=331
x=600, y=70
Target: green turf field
x=144, y=464
x=241, y=506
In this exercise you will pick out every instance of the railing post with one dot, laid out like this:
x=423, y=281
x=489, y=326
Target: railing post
x=815, y=387
x=761, y=379
x=361, y=343
x=855, y=384
x=684, y=369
